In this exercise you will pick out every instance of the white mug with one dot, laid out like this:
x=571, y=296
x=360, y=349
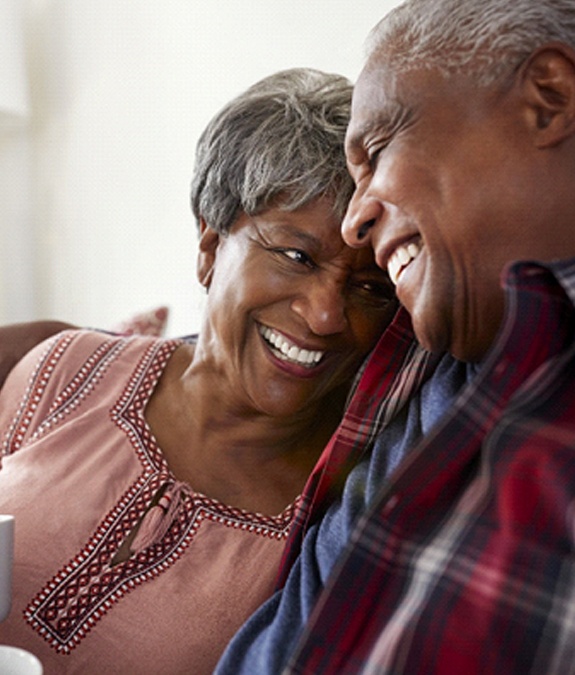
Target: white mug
x=6, y=562
x=16, y=661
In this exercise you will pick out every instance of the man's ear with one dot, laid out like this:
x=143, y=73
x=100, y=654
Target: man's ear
x=208, y=244
x=549, y=85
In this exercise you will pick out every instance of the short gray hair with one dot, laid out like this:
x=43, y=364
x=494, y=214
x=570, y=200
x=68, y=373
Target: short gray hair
x=485, y=39
x=278, y=144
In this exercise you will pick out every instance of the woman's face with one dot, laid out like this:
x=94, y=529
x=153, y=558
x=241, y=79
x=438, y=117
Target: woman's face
x=292, y=311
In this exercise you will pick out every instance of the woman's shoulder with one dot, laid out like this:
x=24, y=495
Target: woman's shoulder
x=80, y=364
x=79, y=353
x=82, y=343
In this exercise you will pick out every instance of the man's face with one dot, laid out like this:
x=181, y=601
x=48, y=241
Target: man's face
x=444, y=178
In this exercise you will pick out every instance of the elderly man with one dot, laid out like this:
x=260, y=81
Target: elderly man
x=450, y=548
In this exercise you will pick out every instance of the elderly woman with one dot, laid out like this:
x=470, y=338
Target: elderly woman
x=154, y=481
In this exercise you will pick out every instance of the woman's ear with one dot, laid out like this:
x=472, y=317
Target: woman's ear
x=208, y=244
x=549, y=86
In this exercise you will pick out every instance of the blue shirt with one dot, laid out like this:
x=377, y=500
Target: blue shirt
x=265, y=642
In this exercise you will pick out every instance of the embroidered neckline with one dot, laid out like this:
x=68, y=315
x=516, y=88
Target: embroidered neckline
x=88, y=586
x=129, y=414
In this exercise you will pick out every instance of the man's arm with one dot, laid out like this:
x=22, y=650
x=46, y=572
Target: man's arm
x=18, y=338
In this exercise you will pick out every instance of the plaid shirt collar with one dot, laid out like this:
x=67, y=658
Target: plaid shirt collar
x=395, y=369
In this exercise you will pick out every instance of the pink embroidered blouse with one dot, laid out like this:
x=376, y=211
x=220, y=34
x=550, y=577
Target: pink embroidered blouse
x=79, y=469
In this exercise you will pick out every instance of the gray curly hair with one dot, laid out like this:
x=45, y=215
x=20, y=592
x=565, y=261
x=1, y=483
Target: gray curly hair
x=278, y=144
x=486, y=39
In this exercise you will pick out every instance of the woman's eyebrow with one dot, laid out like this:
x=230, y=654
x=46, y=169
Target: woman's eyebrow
x=290, y=231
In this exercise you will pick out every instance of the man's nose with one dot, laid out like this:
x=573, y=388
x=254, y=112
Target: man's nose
x=361, y=215
x=322, y=306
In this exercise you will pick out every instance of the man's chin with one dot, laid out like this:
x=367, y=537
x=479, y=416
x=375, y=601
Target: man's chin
x=431, y=337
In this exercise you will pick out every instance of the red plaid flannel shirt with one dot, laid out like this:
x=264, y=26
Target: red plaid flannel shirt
x=465, y=563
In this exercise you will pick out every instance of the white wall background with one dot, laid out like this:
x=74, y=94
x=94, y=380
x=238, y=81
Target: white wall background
x=95, y=222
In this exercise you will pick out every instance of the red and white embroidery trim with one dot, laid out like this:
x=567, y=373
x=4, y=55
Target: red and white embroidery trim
x=84, y=590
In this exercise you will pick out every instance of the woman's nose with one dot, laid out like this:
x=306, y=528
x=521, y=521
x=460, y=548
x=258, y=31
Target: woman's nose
x=322, y=306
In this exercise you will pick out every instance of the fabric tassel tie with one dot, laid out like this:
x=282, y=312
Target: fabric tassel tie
x=157, y=520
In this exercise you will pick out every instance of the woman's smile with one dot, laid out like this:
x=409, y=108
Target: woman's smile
x=286, y=350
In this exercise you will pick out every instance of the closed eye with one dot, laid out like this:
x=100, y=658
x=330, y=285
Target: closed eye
x=374, y=154
x=398, y=119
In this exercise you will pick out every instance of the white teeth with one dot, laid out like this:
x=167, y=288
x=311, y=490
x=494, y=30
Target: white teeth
x=287, y=351
x=403, y=256
x=400, y=258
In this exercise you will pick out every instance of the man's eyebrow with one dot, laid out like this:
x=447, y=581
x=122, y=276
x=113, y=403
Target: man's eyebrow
x=354, y=140
x=381, y=123
x=389, y=117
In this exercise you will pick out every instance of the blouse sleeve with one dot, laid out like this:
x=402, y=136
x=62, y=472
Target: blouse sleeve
x=33, y=385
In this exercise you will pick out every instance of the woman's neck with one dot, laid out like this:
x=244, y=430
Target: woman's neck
x=232, y=453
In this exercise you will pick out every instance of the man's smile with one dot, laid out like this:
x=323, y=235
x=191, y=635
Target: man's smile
x=401, y=257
